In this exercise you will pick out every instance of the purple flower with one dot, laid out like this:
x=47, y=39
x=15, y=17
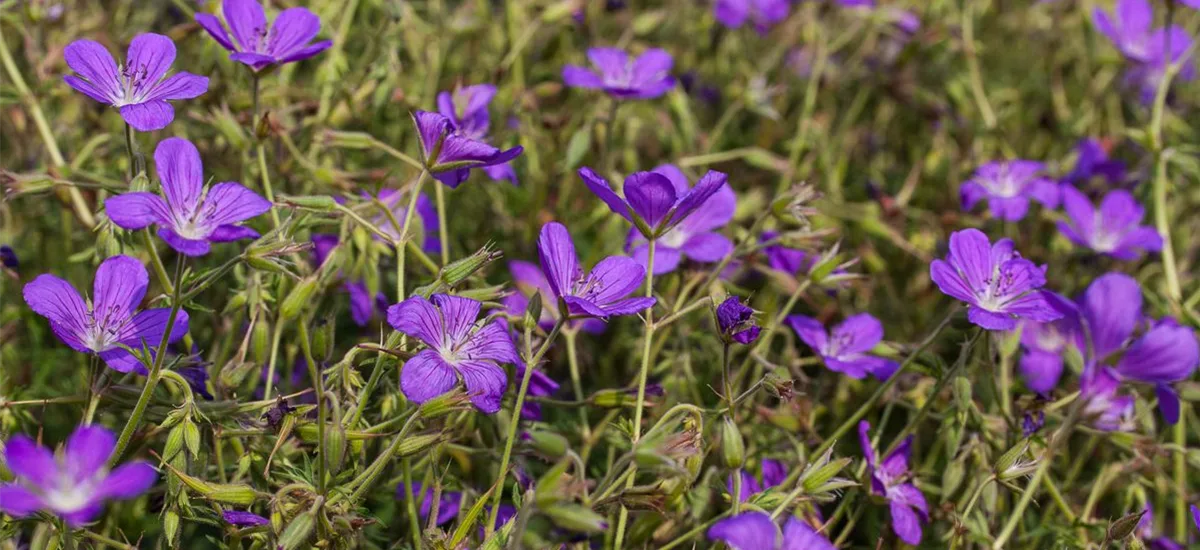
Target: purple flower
x=112, y=319
x=1195, y=509
x=1008, y=186
x=256, y=45
x=1108, y=409
x=189, y=219
x=655, y=205
x=845, y=348
x=1128, y=27
x=1112, y=229
x=602, y=292
x=1032, y=422
x=774, y=473
x=994, y=280
x=8, y=257
x=138, y=88
x=693, y=234
x=467, y=110
x=529, y=280
x=781, y=258
x=756, y=531
x=447, y=506
x=889, y=479
x=454, y=350
x=1152, y=51
x=398, y=204
x=239, y=518
x=449, y=155
x=764, y=14
x=196, y=374
x=1092, y=160
x=736, y=321
x=1043, y=345
x=646, y=77
x=75, y=485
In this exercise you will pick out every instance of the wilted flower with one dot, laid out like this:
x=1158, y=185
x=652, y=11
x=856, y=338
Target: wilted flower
x=189, y=219
x=646, y=77
x=112, y=320
x=449, y=155
x=447, y=505
x=763, y=14
x=467, y=110
x=454, y=350
x=994, y=280
x=845, y=348
x=1112, y=229
x=75, y=486
x=756, y=531
x=889, y=479
x=138, y=88
x=241, y=518
x=1043, y=345
x=736, y=321
x=694, y=235
x=602, y=292
x=1008, y=186
x=256, y=45
x=774, y=472
x=654, y=205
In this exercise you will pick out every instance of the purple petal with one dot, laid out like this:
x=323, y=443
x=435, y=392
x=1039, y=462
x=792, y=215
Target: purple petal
x=1168, y=403
x=502, y=172
x=93, y=62
x=858, y=333
x=556, y=251
x=431, y=127
x=1041, y=370
x=148, y=116
x=614, y=278
x=905, y=523
x=577, y=306
x=746, y=531
x=950, y=281
x=810, y=331
x=305, y=52
x=87, y=451
x=117, y=290
x=31, y=462
x=179, y=86
x=666, y=259
x=709, y=184
x=485, y=384
x=610, y=61
x=732, y=14
x=798, y=535
x=579, y=77
x=128, y=481
x=256, y=61
x=492, y=342
x=708, y=247
x=185, y=246
x=970, y=254
x=717, y=211
x=137, y=210
x=182, y=174
x=244, y=519
x=1112, y=308
x=458, y=315
x=150, y=56
x=247, y=21
x=864, y=441
x=530, y=276
x=59, y=302
x=678, y=179
x=600, y=187
x=418, y=317
x=1009, y=209
x=230, y=202
x=229, y=232
x=628, y=306
x=426, y=376
x=293, y=28
x=122, y=361
x=18, y=501
x=215, y=29
x=991, y=320
x=362, y=307
x=84, y=515
x=1166, y=353
x=88, y=89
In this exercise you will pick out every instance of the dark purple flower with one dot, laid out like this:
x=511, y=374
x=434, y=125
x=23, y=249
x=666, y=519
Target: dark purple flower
x=646, y=77
x=258, y=45
x=654, y=204
x=450, y=155
x=445, y=324
x=112, y=320
x=189, y=219
x=467, y=110
x=239, y=518
x=756, y=531
x=529, y=280
x=75, y=485
x=1032, y=422
x=1112, y=229
x=994, y=280
x=781, y=258
x=1008, y=186
x=736, y=321
x=889, y=479
x=763, y=14
x=694, y=235
x=196, y=375
x=447, y=506
x=1043, y=345
x=774, y=473
x=602, y=292
x=138, y=88
x=362, y=304
x=845, y=348
x=8, y=258
x=1092, y=160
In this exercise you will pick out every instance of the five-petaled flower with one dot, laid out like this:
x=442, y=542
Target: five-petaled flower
x=890, y=479
x=994, y=280
x=655, y=206
x=1008, y=186
x=736, y=321
x=455, y=348
x=763, y=14
x=258, y=45
x=75, y=486
x=449, y=155
x=1112, y=229
x=112, y=320
x=528, y=280
x=602, y=292
x=188, y=219
x=467, y=110
x=694, y=236
x=1151, y=51
x=845, y=348
x=756, y=531
x=138, y=88
x=1043, y=345
x=646, y=77
x=1091, y=160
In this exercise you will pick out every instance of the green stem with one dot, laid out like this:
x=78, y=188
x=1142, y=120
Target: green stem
x=318, y=381
x=577, y=384
x=401, y=251
x=414, y=520
x=443, y=231
x=276, y=336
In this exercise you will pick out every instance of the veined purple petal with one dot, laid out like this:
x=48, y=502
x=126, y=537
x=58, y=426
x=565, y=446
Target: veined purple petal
x=492, y=342
x=148, y=327
x=905, y=523
x=418, y=317
x=229, y=232
x=602, y=189
x=150, y=56
x=426, y=376
x=709, y=184
x=95, y=64
x=59, y=302
x=244, y=518
x=215, y=29
x=230, y=202
x=305, y=52
x=708, y=247
x=810, y=331
x=458, y=315
x=87, y=451
x=179, y=86
x=184, y=245
x=556, y=251
x=293, y=28
x=149, y=116
x=1112, y=308
x=746, y=531
x=614, y=278
x=18, y=501
x=858, y=333
x=182, y=174
x=137, y=210
x=485, y=384
x=650, y=195
x=1165, y=354
x=118, y=288
x=247, y=21
x=798, y=535
x=432, y=127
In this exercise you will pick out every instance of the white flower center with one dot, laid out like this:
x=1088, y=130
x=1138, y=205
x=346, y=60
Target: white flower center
x=68, y=496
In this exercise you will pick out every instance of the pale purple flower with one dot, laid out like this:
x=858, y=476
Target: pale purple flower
x=189, y=219
x=75, y=485
x=240, y=518
x=467, y=110
x=1043, y=345
x=890, y=479
x=450, y=155
x=646, y=77
x=736, y=321
x=1008, y=187
x=112, y=319
x=1108, y=409
x=774, y=473
x=529, y=280
x=1091, y=160
x=448, y=504
x=397, y=203
x=455, y=349
x=655, y=205
x=756, y=531
x=694, y=236
x=1151, y=51
x=787, y=260
x=139, y=88
x=1113, y=229
x=259, y=45
x=999, y=285
x=846, y=348
x=763, y=14
x=600, y=293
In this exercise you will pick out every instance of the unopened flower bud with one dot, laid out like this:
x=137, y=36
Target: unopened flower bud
x=299, y=298
x=1010, y=466
x=546, y=443
x=1123, y=527
x=319, y=203
x=418, y=443
x=449, y=402
x=574, y=517
x=458, y=271
x=733, y=449
x=349, y=140
x=298, y=531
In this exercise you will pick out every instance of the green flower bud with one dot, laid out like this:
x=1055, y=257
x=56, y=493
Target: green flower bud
x=298, y=531
x=574, y=517
x=549, y=445
x=1123, y=527
x=299, y=298
x=733, y=449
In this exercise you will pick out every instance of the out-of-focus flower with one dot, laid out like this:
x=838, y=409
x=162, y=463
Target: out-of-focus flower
x=75, y=486
x=397, y=203
x=774, y=472
x=540, y=385
x=694, y=236
x=1008, y=187
x=445, y=324
x=763, y=14
x=362, y=305
x=646, y=77
x=889, y=479
x=1109, y=410
x=600, y=293
x=138, y=88
x=258, y=46
x=1151, y=51
x=447, y=506
x=1092, y=160
x=1043, y=345
x=1145, y=531
x=654, y=205
x=196, y=375
x=1128, y=27
x=1032, y=422
x=756, y=531
x=736, y=321
x=449, y=155
x=241, y=518
x=112, y=320
x=467, y=110
x=189, y=219
x=845, y=348
x=1113, y=229
x=999, y=285
x=8, y=257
